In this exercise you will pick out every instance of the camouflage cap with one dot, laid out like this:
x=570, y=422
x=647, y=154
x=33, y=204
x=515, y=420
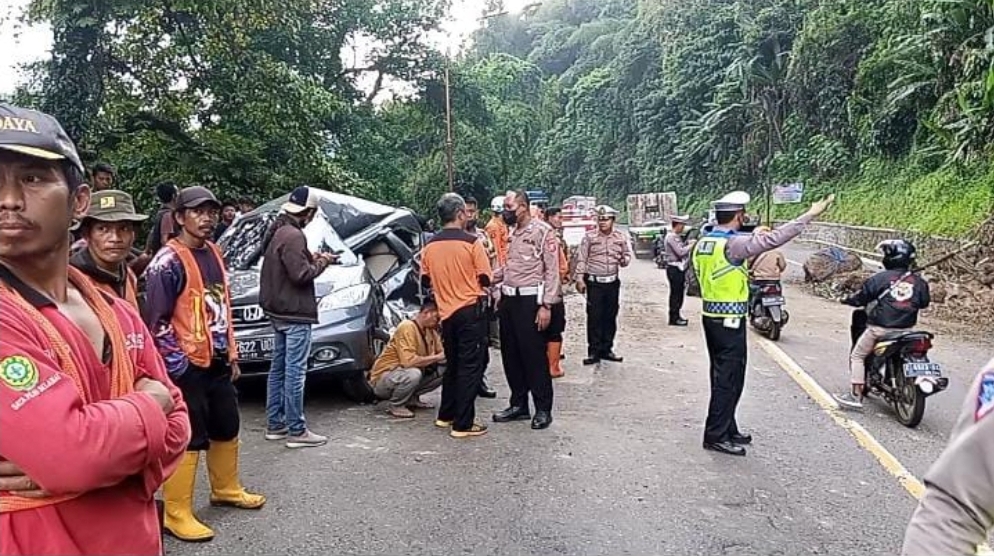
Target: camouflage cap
x=33, y=133
x=112, y=205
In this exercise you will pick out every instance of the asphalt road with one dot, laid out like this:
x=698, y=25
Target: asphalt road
x=621, y=471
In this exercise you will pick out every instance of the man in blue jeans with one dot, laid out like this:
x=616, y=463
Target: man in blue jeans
x=286, y=294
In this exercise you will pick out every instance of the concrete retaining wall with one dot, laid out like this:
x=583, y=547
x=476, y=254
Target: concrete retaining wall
x=863, y=240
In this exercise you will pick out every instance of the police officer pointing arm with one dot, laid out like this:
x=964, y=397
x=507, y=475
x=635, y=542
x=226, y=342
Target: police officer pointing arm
x=719, y=261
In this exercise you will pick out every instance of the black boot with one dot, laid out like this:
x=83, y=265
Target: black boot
x=485, y=390
x=610, y=356
x=513, y=413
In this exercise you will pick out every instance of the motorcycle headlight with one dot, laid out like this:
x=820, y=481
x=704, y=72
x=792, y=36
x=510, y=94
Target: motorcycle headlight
x=345, y=297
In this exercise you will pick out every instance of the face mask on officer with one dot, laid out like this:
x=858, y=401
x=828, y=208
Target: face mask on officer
x=509, y=216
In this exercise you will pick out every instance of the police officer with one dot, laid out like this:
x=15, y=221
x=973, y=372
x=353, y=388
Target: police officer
x=676, y=253
x=957, y=508
x=473, y=227
x=719, y=261
x=602, y=253
x=529, y=285
x=553, y=216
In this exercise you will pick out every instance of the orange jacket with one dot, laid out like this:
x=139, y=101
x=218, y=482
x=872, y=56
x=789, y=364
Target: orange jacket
x=190, y=317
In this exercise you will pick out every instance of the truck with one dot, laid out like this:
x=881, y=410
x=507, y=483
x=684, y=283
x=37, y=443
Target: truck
x=648, y=219
x=578, y=218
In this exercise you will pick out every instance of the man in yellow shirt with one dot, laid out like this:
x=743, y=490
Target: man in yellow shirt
x=411, y=364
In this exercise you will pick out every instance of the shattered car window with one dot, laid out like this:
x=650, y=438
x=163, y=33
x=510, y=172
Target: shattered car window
x=243, y=244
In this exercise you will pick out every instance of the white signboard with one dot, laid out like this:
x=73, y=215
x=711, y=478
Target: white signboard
x=789, y=193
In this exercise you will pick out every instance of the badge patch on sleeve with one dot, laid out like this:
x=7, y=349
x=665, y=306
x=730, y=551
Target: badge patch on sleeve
x=985, y=398
x=19, y=373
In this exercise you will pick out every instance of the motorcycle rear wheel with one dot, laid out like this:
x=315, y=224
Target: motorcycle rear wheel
x=909, y=404
x=773, y=332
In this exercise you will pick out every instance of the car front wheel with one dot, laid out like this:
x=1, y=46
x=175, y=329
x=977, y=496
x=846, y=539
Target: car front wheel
x=357, y=387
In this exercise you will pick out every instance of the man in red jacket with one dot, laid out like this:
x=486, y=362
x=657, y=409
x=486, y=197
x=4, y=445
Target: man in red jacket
x=91, y=425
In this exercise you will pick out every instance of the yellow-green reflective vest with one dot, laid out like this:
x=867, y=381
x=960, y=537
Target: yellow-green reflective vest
x=724, y=286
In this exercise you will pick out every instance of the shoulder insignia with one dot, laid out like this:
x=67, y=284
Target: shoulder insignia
x=985, y=396
x=18, y=372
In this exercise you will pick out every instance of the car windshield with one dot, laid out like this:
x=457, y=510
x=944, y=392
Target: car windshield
x=242, y=243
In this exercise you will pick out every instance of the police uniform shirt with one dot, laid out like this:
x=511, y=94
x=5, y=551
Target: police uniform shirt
x=957, y=509
x=603, y=254
x=533, y=259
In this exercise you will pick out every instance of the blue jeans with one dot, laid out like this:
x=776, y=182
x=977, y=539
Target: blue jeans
x=285, y=392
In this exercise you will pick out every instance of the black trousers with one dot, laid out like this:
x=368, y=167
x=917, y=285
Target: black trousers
x=678, y=285
x=523, y=352
x=557, y=323
x=464, y=337
x=727, y=353
x=212, y=402
x=602, y=317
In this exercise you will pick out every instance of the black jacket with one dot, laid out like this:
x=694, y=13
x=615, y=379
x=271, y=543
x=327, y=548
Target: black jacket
x=899, y=308
x=286, y=282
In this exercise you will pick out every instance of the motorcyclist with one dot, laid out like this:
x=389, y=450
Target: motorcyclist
x=766, y=267
x=892, y=299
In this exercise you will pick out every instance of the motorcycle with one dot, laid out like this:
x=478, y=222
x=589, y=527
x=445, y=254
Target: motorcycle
x=766, y=309
x=899, y=371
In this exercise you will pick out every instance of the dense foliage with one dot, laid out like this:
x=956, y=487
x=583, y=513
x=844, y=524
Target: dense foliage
x=888, y=103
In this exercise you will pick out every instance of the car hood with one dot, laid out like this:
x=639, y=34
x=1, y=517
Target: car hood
x=245, y=283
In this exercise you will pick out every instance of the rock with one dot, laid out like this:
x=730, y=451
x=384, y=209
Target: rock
x=829, y=262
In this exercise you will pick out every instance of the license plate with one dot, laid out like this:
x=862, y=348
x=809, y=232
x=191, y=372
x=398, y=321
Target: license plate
x=922, y=369
x=767, y=301
x=259, y=349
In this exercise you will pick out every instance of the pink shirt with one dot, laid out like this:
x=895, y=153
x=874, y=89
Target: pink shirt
x=116, y=452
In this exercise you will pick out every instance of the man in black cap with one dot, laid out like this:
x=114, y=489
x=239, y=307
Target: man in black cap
x=188, y=310
x=720, y=265
x=286, y=294
x=90, y=426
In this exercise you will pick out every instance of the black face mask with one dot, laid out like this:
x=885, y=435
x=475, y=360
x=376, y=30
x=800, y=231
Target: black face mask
x=471, y=224
x=510, y=217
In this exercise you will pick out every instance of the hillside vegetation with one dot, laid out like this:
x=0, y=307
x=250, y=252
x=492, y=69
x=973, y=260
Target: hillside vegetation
x=888, y=103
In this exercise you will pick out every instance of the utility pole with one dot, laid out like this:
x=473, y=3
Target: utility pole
x=449, y=144
x=449, y=140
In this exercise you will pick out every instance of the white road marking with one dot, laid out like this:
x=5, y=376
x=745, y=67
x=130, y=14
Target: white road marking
x=862, y=436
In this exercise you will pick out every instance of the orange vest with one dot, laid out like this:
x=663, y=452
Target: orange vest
x=498, y=233
x=190, y=316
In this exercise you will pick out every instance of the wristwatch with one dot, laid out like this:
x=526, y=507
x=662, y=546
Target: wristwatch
x=546, y=306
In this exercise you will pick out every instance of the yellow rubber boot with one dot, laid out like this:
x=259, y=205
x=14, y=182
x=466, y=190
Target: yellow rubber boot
x=554, y=352
x=226, y=489
x=177, y=494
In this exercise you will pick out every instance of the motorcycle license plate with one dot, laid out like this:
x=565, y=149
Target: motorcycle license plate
x=768, y=301
x=922, y=369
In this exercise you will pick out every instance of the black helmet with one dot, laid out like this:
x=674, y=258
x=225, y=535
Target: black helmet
x=898, y=254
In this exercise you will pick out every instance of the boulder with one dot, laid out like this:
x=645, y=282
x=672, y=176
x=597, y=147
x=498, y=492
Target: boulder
x=829, y=262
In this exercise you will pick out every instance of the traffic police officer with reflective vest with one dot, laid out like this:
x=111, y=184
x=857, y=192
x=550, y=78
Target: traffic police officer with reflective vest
x=529, y=286
x=719, y=261
x=602, y=253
